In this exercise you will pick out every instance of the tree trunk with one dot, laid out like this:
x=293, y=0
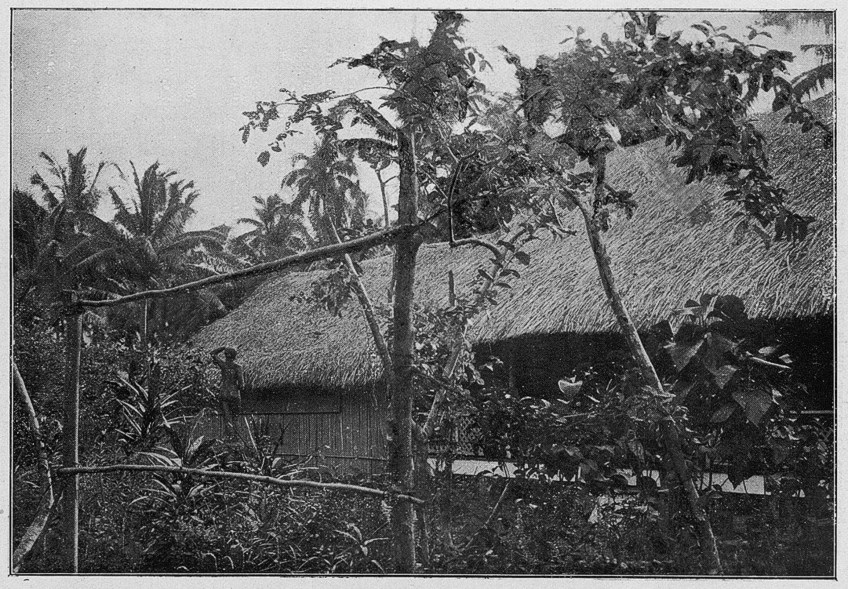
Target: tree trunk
x=367, y=308
x=668, y=428
x=385, y=197
x=145, y=342
x=70, y=443
x=45, y=506
x=400, y=451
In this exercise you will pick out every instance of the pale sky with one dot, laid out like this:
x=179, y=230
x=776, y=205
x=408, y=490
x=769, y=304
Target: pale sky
x=171, y=85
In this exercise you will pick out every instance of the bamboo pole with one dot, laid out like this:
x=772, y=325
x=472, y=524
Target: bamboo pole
x=241, y=476
x=70, y=445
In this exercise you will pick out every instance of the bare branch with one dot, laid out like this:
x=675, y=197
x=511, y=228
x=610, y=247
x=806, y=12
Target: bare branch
x=436, y=381
x=757, y=360
x=482, y=243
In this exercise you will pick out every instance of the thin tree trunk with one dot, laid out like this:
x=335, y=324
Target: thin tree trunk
x=458, y=339
x=45, y=506
x=385, y=197
x=367, y=309
x=70, y=513
x=400, y=451
x=423, y=490
x=668, y=428
x=491, y=517
x=458, y=336
x=145, y=344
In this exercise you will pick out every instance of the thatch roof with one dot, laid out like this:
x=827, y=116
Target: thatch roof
x=679, y=244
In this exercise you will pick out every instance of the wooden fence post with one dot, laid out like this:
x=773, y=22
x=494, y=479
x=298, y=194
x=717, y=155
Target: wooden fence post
x=70, y=446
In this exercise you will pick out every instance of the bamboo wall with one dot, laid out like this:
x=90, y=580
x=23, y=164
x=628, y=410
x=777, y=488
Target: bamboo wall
x=344, y=433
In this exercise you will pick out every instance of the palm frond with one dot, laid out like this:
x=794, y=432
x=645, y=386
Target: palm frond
x=371, y=151
x=172, y=222
x=47, y=191
x=57, y=170
x=135, y=178
x=123, y=216
x=193, y=239
x=365, y=112
x=249, y=221
x=815, y=79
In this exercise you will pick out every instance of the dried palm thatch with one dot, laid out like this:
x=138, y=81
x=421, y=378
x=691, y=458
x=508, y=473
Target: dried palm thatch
x=680, y=243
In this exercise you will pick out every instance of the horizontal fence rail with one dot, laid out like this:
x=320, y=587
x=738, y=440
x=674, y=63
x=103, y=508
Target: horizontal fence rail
x=77, y=470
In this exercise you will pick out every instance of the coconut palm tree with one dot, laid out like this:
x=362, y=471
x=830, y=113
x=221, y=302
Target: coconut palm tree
x=327, y=184
x=279, y=230
x=72, y=184
x=61, y=236
x=147, y=246
x=153, y=225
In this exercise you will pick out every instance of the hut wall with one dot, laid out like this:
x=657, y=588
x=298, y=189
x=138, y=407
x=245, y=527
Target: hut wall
x=341, y=431
x=540, y=361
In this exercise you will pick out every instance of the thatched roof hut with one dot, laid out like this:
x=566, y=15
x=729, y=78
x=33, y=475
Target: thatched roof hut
x=679, y=244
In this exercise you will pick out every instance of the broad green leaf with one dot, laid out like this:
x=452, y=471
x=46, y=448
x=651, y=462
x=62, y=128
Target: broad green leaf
x=569, y=389
x=756, y=403
x=723, y=374
x=723, y=414
x=682, y=354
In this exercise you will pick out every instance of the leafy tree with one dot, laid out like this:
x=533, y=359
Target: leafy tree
x=430, y=88
x=30, y=241
x=696, y=95
x=806, y=83
x=789, y=20
x=601, y=95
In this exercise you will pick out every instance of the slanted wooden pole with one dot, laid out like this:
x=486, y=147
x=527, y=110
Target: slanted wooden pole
x=70, y=446
x=329, y=251
x=668, y=429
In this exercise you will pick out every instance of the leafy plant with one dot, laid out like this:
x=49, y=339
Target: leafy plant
x=144, y=414
x=742, y=398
